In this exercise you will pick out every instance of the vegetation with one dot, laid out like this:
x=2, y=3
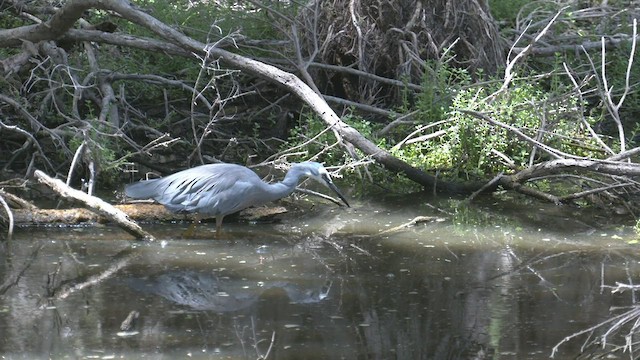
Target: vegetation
x=534, y=99
x=453, y=108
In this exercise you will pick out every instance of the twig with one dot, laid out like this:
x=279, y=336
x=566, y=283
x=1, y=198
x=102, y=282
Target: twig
x=12, y=278
x=621, y=287
x=74, y=162
x=588, y=126
x=593, y=191
x=419, y=130
x=357, y=105
x=614, y=108
x=485, y=187
x=416, y=220
x=508, y=72
x=397, y=122
x=320, y=195
x=618, y=319
x=366, y=75
x=546, y=148
x=610, y=42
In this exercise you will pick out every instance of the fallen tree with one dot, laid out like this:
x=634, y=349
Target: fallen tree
x=66, y=17
x=67, y=30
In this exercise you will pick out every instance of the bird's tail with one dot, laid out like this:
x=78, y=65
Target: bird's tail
x=142, y=190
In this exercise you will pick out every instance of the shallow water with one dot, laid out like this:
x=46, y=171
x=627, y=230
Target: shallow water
x=323, y=284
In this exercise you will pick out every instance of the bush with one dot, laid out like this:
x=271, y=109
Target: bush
x=469, y=147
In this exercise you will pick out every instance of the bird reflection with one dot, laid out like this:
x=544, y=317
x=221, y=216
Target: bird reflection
x=203, y=291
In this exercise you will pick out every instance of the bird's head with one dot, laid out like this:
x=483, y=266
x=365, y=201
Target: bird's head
x=317, y=172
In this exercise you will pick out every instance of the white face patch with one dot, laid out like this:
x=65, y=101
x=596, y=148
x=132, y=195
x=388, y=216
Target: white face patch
x=323, y=173
x=321, y=177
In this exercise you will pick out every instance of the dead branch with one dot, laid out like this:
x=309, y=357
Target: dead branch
x=610, y=42
x=509, y=183
x=622, y=287
x=139, y=211
x=359, y=106
x=508, y=72
x=616, y=322
x=34, y=123
x=96, y=205
x=546, y=148
x=619, y=168
x=16, y=202
x=13, y=276
x=366, y=75
x=9, y=213
x=491, y=184
x=562, y=166
x=416, y=220
x=614, y=107
x=582, y=194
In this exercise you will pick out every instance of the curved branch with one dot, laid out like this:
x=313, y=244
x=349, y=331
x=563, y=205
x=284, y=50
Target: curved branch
x=63, y=20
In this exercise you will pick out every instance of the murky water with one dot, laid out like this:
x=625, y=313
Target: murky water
x=323, y=285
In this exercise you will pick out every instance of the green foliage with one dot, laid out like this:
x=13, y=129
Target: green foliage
x=102, y=149
x=636, y=228
x=465, y=146
x=315, y=139
x=438, y=83
x=506, y=11
x=208, y=22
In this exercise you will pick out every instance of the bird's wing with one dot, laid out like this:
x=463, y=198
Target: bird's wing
x=227, y=198
x=209, y=189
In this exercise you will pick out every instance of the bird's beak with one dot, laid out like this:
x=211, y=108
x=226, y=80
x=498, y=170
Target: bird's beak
x=335, y=189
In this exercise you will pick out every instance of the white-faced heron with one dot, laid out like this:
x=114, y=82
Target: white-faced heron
x=217, y=190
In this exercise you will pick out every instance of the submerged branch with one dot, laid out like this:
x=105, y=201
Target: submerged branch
x=13, y=276
x=122, y=260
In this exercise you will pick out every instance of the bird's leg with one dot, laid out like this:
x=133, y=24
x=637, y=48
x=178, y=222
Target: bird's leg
x=219, y=225
x=191, y=230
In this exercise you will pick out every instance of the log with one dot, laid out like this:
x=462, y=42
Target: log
x=96, y=205
x=146, y=212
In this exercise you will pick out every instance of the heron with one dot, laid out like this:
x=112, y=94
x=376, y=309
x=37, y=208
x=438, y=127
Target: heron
x=217, y=190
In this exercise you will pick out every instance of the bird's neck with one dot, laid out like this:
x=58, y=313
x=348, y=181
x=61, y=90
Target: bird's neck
x=286, y=186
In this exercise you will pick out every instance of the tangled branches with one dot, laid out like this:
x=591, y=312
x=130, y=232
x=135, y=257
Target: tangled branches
x=394, y=39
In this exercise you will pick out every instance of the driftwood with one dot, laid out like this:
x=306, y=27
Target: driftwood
x=146, y=212
x=96, y=205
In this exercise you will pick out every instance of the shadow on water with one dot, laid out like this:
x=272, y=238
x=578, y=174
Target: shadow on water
x=318, y=287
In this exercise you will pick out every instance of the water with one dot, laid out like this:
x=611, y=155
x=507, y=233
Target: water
x=322, y=285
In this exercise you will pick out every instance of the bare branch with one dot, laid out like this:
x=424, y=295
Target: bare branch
x=9, y=213
x=95, y=204
x=508, y=72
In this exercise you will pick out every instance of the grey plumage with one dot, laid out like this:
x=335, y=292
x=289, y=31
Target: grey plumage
x=216, y=190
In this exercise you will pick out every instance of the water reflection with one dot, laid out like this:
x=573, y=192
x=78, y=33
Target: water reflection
x=206, y=291
x=435, y=291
